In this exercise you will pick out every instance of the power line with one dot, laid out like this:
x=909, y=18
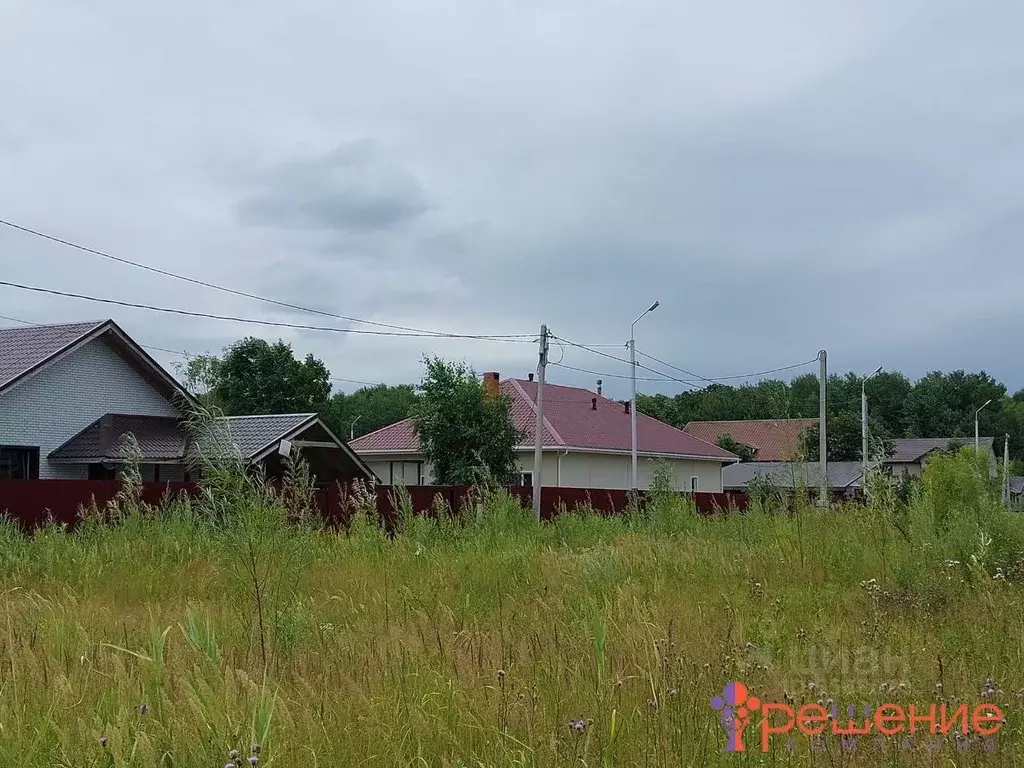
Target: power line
x=190, y=355
x=673, y=367
x=611, y=375
x=735, y=376
x=234, y=291
x=627, y=362
x=254, y=321
x=667, y=377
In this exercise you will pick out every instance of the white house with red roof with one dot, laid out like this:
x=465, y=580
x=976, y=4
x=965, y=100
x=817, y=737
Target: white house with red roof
x=587, y=443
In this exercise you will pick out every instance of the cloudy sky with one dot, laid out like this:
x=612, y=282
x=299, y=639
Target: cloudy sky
x=783, y=177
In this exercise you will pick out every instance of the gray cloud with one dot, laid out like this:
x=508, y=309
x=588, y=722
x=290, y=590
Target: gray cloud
x=840, y=176
x=353, y=188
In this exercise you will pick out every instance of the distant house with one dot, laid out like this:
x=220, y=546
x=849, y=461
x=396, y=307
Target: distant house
x=844, y=477
x=586, y=443
x=70, y=393
x=1016, y=489
x=909, y=456
x=769, y=439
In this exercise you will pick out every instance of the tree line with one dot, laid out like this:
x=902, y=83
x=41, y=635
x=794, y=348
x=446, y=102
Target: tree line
x=937, y=405
x=253, y=376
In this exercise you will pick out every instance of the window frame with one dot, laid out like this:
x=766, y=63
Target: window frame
x=694, y=483
x=33, y=459
x=522, y=479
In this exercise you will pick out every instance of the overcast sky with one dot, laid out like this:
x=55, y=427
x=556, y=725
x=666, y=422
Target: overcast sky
x=783, y=177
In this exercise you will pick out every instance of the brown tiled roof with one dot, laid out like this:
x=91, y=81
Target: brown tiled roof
x=771, y=439
x=25, y=348
x=570, y=421
x=160, y=438
x=253, y=434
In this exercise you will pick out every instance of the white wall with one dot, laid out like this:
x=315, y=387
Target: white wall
x=596, y=470
x=581, y=470
x=405, y=469
x=48, y=409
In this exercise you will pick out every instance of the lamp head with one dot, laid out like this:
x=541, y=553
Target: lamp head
x=654, y=306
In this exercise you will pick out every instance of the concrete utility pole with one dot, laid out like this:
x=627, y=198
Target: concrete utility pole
x=538, y=440
x=822, y=436
x=977, y=440
x=634, y=483
x=1006, y=471
x=864, y=425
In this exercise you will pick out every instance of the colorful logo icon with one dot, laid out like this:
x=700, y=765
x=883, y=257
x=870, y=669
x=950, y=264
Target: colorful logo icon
x=735, y=705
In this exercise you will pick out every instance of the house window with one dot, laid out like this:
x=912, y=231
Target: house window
x=694, y=484
x=526, y=478
x=100, y=472
x=19, y=463
x=405, y=473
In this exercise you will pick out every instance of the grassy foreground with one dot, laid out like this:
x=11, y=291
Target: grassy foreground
x=172, y=639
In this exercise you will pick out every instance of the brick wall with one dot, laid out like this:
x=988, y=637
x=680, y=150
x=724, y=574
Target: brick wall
x=53, y=406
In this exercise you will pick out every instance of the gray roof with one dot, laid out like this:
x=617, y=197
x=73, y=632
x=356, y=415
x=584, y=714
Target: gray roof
x=913, y=449
x=254, y=434
x=160, y=438
x=786, y=474
x=25, y=348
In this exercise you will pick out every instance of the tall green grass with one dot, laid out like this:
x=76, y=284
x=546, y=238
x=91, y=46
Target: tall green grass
x=216, y=625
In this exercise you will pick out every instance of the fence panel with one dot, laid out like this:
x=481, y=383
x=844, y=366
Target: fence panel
x=32, y=502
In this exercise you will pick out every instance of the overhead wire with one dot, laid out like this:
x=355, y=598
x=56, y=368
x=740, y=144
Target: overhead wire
x=190, y=355
x=257, y=321
x=232, y=291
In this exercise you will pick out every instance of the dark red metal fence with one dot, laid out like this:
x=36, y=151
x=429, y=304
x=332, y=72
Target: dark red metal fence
x=32, y=502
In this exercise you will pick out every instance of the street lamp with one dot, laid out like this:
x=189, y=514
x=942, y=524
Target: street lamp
x=632, y=404
x=977, y=440
x=864, y=423
x=352, y=427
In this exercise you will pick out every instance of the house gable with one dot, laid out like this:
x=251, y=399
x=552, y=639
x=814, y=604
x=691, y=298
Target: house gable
x=71, y=392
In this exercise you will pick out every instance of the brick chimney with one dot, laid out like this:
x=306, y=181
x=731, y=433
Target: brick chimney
x=530, y=376
x=492, y=384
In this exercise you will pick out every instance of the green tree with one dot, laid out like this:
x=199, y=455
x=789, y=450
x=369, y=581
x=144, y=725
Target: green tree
x=199, y=374
x=465, y=435
x=368, y=409
x=943, y=404
x=256, y=377
x=728, y=443
x=843, y=438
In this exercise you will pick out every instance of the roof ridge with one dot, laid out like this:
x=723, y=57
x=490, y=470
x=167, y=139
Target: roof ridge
x=750, y=421
x=381, y=429
x=677, y=429
x=28, y=326
x=533, y=406
x=305, y=414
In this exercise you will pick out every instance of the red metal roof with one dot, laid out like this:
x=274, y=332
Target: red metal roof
x=570, y=421
x=772, y=439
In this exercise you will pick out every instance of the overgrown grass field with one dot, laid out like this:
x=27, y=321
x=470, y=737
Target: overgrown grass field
x=173, y=638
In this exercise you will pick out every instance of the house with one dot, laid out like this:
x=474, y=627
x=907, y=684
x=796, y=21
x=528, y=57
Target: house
x=909, y=456
x=69, y=393
x=1016, y=489
x=843, y=476
x=586, y=443
x=769, y=439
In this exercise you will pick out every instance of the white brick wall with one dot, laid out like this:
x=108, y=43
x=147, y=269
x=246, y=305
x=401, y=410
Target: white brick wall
x=48, y=409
